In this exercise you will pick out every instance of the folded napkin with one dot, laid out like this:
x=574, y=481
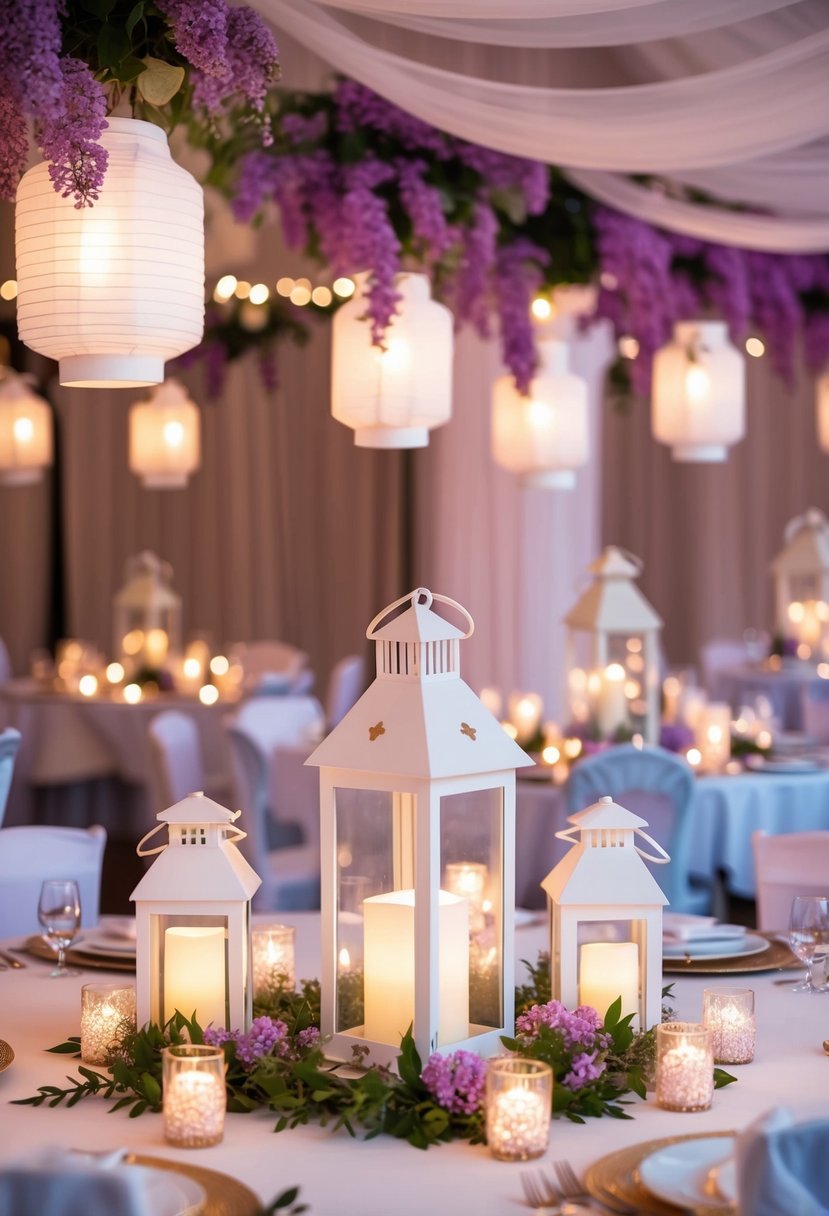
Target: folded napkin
x=56, y=1182
x=783, y=1166
x=683, y=927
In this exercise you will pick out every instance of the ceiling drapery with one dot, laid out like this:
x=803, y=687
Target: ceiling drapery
x=728, y=97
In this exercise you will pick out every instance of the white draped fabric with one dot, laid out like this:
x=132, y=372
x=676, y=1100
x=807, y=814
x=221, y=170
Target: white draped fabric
x=730, y=98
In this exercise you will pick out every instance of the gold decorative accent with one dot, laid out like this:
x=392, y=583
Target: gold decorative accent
x=38, y=947
x=374, y=731
x=225, y=1196
x=6, y=1055
x=614, y=1180
x=470, y=731
x=776, y=957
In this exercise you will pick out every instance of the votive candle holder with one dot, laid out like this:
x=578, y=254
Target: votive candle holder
x=107, y=1016
x=684, y=1066
x=194, y=1096
x=519, y=1099
x=729, y=1015
x=273, y=948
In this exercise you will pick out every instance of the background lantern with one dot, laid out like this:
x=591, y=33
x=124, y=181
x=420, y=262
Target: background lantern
x=165, y=434
x=614, y=684
x=801, y=583
x=698, y=406
x=147, y=613
x=393, y=396
x=822, y=411
x=417, y=778
x=113, y=290
x=543, y=437
x=192, y=911
x=606, y=916
x=25, y=431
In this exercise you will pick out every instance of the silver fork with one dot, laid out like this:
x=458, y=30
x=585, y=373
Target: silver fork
x=540, y=1192
x=573, y=1191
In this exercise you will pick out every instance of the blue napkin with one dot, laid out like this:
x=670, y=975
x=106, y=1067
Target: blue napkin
x=783, y=1166
x=55, y=1182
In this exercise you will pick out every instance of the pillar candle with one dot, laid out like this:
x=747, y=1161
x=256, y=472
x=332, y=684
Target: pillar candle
x=713, y=736
x=608, y=970
x=194, y=973
x=612, y=710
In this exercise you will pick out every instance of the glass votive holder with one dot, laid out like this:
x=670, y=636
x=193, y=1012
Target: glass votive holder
x=729, y=1015
x=684, y=1066
x=519, y=1100
x=194, y=1095
x=107, y=1016
x=273, y=958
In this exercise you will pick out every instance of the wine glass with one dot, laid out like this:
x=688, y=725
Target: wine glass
x=59, y=912
x=809, y=936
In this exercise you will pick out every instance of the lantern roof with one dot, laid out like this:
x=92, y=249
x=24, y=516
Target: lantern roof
x=197, y=810
x=148, y=582
x=417, y=624
x=806, y=548
x=613, y=602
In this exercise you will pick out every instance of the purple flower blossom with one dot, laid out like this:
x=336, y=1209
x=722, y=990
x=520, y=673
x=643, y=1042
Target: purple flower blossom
x=579, y=1028
x=358, y=107
x=470, y=286
x=218, y=1036
x=456, y=1081
x=15, y=145
x=584, y=1068
x=518, y=271
x=264, y=1035
x=69, y=140
x=424, y=204
x=308, y=1038
x=200, y=34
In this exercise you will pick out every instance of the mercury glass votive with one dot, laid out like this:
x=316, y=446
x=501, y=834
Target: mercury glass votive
x=684, y=1066
x=519, y=1099
x=729, y=1015
x=107, y=1015
x=273, y=958
x=194, y=1095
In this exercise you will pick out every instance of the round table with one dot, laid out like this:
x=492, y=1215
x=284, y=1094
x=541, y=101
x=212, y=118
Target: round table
x=784, y=687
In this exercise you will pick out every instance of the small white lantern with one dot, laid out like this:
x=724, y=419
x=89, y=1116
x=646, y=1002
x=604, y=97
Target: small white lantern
x=606, y=916
x=417, y=777
x=25, y=431
x=165, y=434
x=622, y=687
x=192, y=911
x=801, y=582
x=147, y=614
x=698, y=406
x=115, y=289
x=393, y=396
x=542, y=437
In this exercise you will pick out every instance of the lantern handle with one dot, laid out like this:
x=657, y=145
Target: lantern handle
x=238, y=834
x=813, y=518
x=151, y=852
x=430, y=597
x=659, y=861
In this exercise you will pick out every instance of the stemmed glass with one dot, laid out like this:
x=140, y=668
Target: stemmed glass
x=809, y=936
x=59, y=912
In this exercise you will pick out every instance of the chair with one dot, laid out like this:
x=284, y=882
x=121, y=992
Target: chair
x=5, y=663
x=175, y=751
x=796, y=863
x=814, y=704
x=288, y=720
x=274, y=666
x=659, y=786
x=9, y=743
x=345, y=685
x=718, y=656
x=28, y=855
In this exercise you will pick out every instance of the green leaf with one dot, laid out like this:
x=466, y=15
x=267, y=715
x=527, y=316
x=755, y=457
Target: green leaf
x=72, y=1047
x=160, y=82
x=136, y=15
x=99, y=8
x=722, y=1078
x=613, y=1014
x=112, y=45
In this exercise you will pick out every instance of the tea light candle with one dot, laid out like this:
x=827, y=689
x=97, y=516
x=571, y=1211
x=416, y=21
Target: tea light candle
x=194, y=1097
x=273, y=958
x=107, y=1015
x=468, y=879
x=714, y=736
x=525, y=710
x=519, y=1097
x=729, y=1015
x=684, y=1066
x=608, y=970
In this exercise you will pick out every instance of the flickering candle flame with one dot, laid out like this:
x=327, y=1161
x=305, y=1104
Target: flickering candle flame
x=88, y=685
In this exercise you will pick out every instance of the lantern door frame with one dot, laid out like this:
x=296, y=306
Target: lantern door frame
x=598, y=638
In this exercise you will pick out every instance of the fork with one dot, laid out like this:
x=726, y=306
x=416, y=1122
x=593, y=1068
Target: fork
x=540, y=1192
x=573, y=1191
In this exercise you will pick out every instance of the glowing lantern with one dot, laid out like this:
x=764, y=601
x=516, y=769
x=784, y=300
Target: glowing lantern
x=823, y=411
x=147, y=613
x=698, y=404
x=25, y=431
x=801, y=581
x=164, y=437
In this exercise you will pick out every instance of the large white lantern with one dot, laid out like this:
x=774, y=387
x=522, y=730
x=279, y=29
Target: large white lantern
x=417, y=805
x=25, y=431
x=612, y=652
x=393, y=396
x=606, y=916
x=192, y=913
x=543, y=437
x=113, y=290
x=165, y=433
x=698, y=406
x=147, y=615
x=801, y=582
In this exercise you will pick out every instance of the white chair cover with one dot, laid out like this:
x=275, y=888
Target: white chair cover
x=28, y=855
x=345, y=685
x=9, y=743
x=178, y=769
x=785, y=866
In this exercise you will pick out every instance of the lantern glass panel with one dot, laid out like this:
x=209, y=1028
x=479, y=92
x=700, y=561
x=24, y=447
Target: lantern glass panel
x=471, y=852
x=192, y=970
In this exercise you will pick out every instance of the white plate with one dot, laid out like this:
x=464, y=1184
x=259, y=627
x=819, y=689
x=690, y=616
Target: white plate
x=738, y=947
x=122, y=928
x=681, y=1173
x=107, y=946
x=759, y=764
x=169, y=1193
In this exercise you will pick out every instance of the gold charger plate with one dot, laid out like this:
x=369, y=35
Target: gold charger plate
x=37, y=947
x=6, y=1055
x=225, y=1196
x=614, y=1180
x=778, y=955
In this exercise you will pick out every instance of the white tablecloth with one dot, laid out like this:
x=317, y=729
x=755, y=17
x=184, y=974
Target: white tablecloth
x=340, y=1176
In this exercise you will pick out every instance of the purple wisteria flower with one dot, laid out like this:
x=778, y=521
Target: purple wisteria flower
x=580, y=1031
x=200, y=33
x=456, y=1081
x=69, y=140
x=518, y=275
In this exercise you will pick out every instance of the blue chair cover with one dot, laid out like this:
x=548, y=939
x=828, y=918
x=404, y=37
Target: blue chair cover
x=9, y=743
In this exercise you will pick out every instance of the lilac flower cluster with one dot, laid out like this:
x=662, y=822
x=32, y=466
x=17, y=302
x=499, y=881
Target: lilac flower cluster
x=266, y=1037
x=456, y=1081
x=242, y=58
x=580, y=1032
x=69, y=140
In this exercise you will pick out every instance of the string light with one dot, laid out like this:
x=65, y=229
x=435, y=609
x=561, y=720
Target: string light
x=300, y=295
x=344, y=288
x=225, y=288
x=321, y=296
x=755, y=347
x=8, y=290
x=541, y=308
x=242, y=289
x=628, y=346
x=259, y=293
x=284, y=286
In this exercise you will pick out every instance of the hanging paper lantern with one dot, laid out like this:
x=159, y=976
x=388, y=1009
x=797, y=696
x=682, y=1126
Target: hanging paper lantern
x=544, y=437
x=165, y=437
x=823, y=411
x=699, y=392
x=25, y=431
x=113, y=290
x=393, y=396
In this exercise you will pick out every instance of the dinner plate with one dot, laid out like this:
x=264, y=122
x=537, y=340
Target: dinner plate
x=616, y=1182
x=107, y=946
x=169, y=1193
x=682, y=1173
x=224, y=1195
x=737, y=947
x=781, y=765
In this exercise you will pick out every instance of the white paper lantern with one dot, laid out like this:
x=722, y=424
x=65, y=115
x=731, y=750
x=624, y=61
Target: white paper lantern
x=165, y=433
x=698, y=404
x=823, y=411
x=393, y=397
x=543, y=438
x=115, y=289
x=25, y=431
